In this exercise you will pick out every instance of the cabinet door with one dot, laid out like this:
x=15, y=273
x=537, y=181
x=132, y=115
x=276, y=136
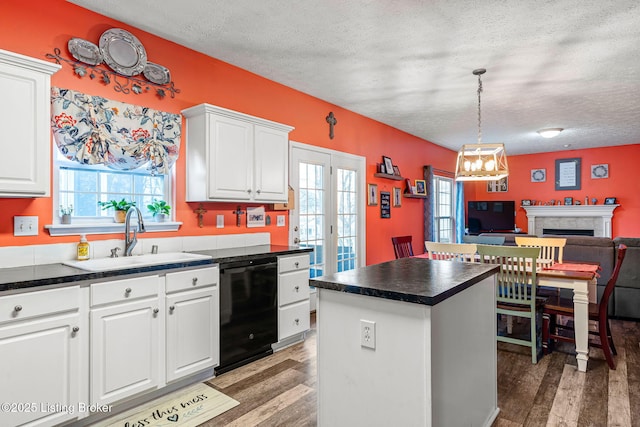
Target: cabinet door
x=41, y=366
x=193, y=332
x=271, y=165
x=26, y=135
x=125, y=347
x=230, y=158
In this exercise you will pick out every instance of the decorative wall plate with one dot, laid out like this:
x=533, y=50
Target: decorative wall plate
x=84, y=51
x=157, y=73
x=538, y=175
x=599, y=171
x=123, y=52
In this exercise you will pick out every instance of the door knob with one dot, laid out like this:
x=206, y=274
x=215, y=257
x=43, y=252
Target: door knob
x=296, y=240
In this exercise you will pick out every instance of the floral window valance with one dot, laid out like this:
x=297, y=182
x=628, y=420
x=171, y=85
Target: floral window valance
x=94, y=130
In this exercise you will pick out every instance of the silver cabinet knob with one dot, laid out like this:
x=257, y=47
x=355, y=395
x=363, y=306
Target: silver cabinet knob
x=17, y=308
x=258, y=191
x=75, y=329
x=296, y=264
x=249, y=191
x=172, y=307
x=194, y=281
x=297, y=288
x=156, y=311
x=297, y=321
x=127, y=291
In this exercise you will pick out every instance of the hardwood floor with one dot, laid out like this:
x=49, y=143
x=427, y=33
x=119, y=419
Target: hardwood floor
x=279, y=390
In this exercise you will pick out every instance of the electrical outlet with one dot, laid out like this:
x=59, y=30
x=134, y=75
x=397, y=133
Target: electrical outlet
x=280, y=220
x=220, y=221
x=25, y=225
x=368, y=334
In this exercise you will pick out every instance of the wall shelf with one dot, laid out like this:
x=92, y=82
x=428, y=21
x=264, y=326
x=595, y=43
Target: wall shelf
x=388, y=176
x=414, y=196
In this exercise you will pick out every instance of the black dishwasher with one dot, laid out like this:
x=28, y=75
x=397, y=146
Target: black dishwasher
x=248, y=311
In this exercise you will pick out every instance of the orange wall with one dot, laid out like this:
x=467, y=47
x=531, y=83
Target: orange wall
x=35, y=28
x=623, y=184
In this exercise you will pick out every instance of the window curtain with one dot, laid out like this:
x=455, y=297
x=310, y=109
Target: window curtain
x=428, y=205
x=459, y=221
x=93, y=130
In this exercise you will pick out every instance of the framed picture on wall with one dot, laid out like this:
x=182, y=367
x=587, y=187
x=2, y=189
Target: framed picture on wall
x=610, y=201
x=498, y=186
x=421, y=187
x=397, y=197
x=568, y=201
x=388, y=165
x=568, y=174
x=372, y=194
x=538, y=175
x=599, y=171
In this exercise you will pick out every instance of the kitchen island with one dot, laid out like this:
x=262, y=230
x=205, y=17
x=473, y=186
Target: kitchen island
x=407, y=342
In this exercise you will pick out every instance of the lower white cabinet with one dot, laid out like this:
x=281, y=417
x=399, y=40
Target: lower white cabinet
x=293, y=298
x=41, y=352
x=193, y=322
x=127, y=323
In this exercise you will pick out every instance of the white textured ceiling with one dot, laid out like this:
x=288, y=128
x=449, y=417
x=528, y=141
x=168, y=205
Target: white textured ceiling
x=573, y=64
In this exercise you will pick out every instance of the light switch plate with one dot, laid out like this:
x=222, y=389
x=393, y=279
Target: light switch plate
x=220, y=221
x=280, y=221
x=25, y=225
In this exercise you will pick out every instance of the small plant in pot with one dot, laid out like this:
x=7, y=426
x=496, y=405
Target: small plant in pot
x=65, y=214
x=159, y=209
x=120, y=208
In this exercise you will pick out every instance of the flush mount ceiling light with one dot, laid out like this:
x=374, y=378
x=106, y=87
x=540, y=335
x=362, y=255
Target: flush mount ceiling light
x=550, y=133
x=481, y=162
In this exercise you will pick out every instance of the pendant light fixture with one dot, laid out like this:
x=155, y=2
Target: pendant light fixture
x=481, y=162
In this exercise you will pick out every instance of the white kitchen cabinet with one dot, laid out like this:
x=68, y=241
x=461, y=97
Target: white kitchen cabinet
x=293, y=299
x=25, y=85
x=232, y=156
x=193, y=322
x=127, y=337
x=42, y=346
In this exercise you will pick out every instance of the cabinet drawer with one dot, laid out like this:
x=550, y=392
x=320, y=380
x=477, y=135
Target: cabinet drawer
x=293, y=263
x=124, y=290
x=293, y=319
x=293, y=287
x=32, y=304
x=192, y=279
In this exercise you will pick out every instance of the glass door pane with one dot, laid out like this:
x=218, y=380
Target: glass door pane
x=311, y=214
x=347, y=217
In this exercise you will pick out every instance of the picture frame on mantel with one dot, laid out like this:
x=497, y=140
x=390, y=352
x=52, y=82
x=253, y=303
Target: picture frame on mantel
x=568, y=174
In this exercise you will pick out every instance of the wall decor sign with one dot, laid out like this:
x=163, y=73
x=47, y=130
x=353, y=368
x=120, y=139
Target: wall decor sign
x=385, y=204
x=538, y=175
x=568, y=174
x=372, y=194
x=599, y=171
x=256, y=217
x=525, y=202
x=610, y=201
x=568, y=201
x=498, y=186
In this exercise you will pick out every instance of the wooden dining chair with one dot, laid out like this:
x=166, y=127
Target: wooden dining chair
x=551, y=248
x=465, y=252
x=516, y=291
x=598, y=312
x=402, y=246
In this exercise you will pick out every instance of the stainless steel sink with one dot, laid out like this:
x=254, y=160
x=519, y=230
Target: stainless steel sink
x=119, y=263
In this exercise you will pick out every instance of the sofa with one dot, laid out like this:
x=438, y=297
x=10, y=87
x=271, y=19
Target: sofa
x=625, y=301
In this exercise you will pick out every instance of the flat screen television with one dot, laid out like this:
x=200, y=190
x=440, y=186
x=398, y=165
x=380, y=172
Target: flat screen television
x=488, y=216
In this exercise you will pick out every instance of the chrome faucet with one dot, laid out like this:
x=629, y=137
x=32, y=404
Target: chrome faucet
x=130, y=242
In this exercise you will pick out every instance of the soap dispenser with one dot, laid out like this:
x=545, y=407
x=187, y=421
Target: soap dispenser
x=83, y=248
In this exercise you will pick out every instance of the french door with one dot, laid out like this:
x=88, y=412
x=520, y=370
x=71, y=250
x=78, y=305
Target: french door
x=329, y=209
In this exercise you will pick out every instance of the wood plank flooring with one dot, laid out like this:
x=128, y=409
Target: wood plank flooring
x=279, y=390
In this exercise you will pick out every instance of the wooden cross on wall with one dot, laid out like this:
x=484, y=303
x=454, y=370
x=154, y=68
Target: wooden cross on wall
x=331, y=119
x=238, y=212
x=200, y=213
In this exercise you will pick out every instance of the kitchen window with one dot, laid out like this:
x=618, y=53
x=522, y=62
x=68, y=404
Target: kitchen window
x=83, y=186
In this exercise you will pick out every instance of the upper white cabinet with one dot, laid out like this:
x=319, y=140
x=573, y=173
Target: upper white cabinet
x=232, y=156
x=25, y=85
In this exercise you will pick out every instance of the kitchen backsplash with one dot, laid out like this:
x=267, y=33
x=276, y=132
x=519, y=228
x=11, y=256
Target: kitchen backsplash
x=18, y=256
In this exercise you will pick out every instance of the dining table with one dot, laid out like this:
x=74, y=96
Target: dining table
x=581, y=279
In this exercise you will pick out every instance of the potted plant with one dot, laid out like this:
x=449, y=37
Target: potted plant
x=120, y=208
x=65, y=214
x=159, y=209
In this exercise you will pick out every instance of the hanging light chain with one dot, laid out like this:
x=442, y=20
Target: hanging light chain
x=479, y=115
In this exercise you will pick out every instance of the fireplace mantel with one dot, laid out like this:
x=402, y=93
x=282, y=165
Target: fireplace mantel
x=601, y=215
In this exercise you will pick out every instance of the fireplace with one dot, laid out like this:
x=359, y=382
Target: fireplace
x=571, y=219
x=567, y=232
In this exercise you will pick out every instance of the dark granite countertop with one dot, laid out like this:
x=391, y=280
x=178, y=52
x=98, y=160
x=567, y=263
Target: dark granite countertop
x=413, y=280
x=24, y=278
